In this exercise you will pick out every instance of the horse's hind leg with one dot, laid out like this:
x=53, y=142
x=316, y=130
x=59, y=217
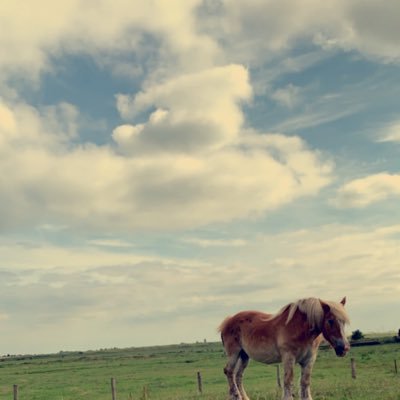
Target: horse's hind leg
x=242, y=363
x=230, y=372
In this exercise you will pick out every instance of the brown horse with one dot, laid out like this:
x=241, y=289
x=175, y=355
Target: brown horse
x=291, y=336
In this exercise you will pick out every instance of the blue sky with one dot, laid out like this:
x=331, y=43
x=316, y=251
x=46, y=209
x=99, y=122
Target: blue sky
x=167, y=163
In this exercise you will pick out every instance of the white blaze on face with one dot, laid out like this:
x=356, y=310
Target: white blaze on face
x=343, y=333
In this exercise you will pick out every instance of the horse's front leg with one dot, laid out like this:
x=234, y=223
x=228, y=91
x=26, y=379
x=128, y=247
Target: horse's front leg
x=288, y=361
x=305, y=380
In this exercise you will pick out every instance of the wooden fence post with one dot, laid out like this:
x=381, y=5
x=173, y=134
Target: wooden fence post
x=278, y=377
x=353, y=368
x=113, y=389
x=15, y=392
x=199, y=383
x=395, y=366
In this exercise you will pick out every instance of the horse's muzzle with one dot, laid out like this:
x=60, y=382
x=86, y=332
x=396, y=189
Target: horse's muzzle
x=341, y=349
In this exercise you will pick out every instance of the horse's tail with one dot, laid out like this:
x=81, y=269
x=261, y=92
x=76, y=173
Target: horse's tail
x=222, y=326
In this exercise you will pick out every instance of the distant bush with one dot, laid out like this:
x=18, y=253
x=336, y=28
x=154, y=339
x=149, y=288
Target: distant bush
x=357, y=335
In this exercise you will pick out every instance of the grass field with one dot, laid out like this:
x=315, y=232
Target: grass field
x=169, y=373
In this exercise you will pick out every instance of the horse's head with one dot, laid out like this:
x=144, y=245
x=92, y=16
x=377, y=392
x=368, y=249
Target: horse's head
x=333, y=327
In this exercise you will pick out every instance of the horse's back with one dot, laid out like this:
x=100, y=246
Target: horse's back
x=242, y=319
x=236, y=328
x=253, y=332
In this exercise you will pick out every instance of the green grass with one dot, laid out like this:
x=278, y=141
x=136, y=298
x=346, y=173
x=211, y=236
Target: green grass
x=169, y=373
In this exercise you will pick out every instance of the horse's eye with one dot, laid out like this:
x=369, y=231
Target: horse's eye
x=331, y=322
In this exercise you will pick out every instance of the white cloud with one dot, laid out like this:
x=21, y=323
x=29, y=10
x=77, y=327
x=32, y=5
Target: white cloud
x=190, y=164
x=24, y=126
x=116, y=243
x=4, y=317
x=289, y=96
x=328, y=261
x=40, y=258
x=7, y=120
x=315, y=117
x=322, y=109
x=215, y=242
x=379, y=39
x=365, y=191
x=255, y=30
x=93, y=288
x=41, y=30
x=188, y=40
x=391, y=133
x=193, y=111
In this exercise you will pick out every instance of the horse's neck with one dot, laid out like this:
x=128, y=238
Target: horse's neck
x=300, y=324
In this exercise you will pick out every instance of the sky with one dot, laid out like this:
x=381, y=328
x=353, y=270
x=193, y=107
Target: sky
x=167, y=163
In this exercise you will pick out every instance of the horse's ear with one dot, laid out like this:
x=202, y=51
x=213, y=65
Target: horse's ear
x=343, y=300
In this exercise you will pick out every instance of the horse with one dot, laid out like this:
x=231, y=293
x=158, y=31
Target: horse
x=291, y=336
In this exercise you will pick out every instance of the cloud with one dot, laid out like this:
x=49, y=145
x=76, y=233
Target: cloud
x=322, y=109
x=25, y=126
x=215, y=242
x=378, y=40
x=328, y=261
x=7, y=120
x=287, y=96
x=192, y=163
x=193, y=112
x=4, y=317
x=190, y=35
x=391, y=133
x=35, y=39
x=254, y=30
x=25, y=260
x=116, y=243
x=84, y=290
x=365, y=191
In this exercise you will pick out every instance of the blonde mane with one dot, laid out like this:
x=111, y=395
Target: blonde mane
x=312, y=308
